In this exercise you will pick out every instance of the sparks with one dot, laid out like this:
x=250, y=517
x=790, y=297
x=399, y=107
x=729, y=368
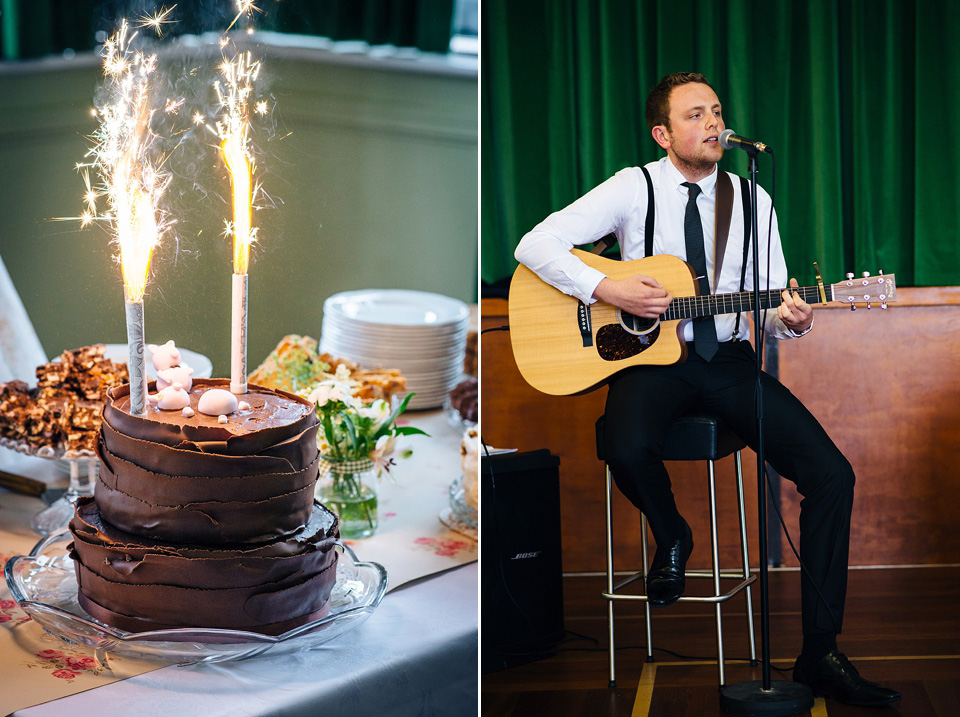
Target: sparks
x=173, y=106
x=157, y=21
x=244, y=7
x=261, y=108
x=90, y=197
x=127, y=160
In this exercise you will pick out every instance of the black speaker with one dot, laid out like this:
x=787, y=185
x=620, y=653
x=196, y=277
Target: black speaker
x=521, y=606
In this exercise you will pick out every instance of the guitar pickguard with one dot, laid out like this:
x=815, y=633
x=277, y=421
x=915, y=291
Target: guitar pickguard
x=614, y=343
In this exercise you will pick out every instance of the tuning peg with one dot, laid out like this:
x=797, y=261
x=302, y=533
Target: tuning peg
x=883, y=304
x=849, y=275
x=853, y=307
x=866, y=275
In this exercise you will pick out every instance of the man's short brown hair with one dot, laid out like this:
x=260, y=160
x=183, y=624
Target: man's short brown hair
x=658, y=101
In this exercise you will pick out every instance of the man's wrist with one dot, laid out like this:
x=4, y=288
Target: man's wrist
x=797, y=334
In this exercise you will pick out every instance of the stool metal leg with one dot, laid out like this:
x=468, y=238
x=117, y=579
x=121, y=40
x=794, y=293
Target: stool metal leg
x=609, y=519
x=745, y=553
x=715, y=558
x=645, y=556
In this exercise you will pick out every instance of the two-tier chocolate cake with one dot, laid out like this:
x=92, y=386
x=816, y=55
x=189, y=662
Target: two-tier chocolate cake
x=206, y=520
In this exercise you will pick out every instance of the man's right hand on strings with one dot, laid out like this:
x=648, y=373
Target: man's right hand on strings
x=638, y=294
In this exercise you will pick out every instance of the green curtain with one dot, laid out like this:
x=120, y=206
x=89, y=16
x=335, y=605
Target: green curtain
x=35, y=28
x=856, y=97
x=424, y=24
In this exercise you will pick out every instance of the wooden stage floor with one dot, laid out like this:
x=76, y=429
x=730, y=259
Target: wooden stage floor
x=901, y=628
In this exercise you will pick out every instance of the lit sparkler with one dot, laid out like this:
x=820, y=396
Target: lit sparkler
x=244, y=7
x=126, y=157
x=235, y=95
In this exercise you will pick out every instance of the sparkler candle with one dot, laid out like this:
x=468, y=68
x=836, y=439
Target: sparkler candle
x=128, y=162
x=234, y=92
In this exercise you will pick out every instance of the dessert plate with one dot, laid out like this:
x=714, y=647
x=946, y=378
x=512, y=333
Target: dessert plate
x=45, y=585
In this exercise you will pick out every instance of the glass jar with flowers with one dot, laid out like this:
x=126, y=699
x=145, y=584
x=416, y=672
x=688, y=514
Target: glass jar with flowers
x=357, y=442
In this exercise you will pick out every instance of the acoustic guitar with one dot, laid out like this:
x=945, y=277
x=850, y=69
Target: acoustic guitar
x=563, y=346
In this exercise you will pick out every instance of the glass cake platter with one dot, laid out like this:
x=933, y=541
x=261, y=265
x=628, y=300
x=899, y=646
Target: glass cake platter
x=45, y=585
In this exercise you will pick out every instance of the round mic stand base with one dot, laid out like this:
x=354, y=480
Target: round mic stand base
x=750, y=699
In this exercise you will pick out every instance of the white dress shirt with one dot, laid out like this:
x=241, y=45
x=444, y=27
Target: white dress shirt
x=619, y=206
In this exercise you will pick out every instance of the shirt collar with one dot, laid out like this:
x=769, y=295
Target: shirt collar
x=708, y=184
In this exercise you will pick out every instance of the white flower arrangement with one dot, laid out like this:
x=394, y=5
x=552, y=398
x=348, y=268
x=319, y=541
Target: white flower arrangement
x=352, y=431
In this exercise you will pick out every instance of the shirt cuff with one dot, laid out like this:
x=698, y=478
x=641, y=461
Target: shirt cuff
x=588, y=282
x=797, y=334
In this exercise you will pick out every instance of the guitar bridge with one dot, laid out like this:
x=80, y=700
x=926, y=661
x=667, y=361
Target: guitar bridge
x=586, y=324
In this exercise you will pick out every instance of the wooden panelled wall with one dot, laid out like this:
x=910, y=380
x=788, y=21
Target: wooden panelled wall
x=883, y=383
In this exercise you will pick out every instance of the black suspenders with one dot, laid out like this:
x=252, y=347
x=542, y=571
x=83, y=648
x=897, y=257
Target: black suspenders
x=747, y=226
x=651, y=210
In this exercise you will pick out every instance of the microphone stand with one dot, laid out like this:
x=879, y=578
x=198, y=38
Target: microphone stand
x=762, y=697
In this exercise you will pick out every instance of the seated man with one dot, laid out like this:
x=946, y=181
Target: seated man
x=719, y=375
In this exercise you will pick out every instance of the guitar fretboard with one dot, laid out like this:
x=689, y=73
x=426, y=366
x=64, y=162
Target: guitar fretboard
x=691, y=307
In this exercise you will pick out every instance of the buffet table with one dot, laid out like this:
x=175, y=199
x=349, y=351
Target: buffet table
x=416, y=654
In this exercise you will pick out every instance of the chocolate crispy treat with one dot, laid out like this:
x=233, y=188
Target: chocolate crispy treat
x=63, y=411
x=138, y=585
x=15, y=401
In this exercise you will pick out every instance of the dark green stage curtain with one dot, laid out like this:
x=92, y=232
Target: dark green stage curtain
x=34, y=28
x=856, y=98
x=424, y=24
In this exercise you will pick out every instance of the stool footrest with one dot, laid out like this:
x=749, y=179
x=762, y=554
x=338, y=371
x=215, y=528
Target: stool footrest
x=723, y=597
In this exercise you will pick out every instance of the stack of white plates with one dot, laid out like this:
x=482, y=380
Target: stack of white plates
x=422, y=334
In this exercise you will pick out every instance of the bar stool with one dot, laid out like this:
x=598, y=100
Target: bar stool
x=693, y=437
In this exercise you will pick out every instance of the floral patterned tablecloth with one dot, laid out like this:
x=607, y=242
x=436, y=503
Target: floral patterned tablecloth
x=411, y=543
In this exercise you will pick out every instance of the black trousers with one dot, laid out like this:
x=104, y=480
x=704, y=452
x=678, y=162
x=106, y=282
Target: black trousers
x=644, y=401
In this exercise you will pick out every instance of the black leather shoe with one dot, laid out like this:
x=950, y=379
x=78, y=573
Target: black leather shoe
x=833, y=676
x=665, y=581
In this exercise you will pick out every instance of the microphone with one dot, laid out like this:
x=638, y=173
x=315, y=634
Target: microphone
x=728, y=140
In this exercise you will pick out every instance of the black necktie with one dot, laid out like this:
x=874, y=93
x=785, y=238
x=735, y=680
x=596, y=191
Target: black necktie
x=704, y=328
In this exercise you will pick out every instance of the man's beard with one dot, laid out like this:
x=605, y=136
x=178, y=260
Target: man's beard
x=697, y=164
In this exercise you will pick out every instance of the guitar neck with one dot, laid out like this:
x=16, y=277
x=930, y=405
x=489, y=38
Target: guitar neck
x=691, y=307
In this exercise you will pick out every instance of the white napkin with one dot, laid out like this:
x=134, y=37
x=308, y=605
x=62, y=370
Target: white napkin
x=20, y=349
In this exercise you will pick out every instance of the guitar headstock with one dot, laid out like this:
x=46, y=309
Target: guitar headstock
x=866, y=290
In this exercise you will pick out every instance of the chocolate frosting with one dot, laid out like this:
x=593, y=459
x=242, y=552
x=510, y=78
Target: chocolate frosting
x=273, y=417
x=138, y=585
x=203, y=509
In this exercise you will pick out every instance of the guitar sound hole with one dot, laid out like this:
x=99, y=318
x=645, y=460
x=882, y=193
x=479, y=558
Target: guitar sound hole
x=635, y=324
